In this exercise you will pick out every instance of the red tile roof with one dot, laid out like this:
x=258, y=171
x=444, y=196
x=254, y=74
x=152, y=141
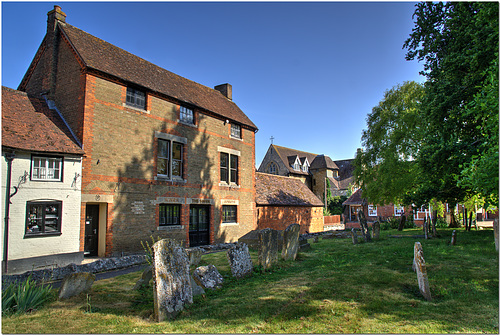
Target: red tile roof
x=109, y=59
x=28, y=124
x=283, y=191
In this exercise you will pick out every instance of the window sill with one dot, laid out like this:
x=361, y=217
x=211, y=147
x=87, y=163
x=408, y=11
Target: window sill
x=229, y=224
x=136, y=109
x=167, y=179
x=41, y=235
x=172, y=227
x=236, y=138
x=184, y=123
x=222, y=183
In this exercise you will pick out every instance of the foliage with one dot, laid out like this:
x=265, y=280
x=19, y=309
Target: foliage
x=335, y=204
x=458, y=45
x=25, y=296
x=149, y=249
x=393, y=223
x=385, y=169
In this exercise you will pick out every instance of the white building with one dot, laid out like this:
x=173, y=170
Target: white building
x=42, y=161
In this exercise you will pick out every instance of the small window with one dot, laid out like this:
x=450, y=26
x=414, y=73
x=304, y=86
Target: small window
x=46, y=168
x=235, y=130
x=170, y=215
x=372, y=210
x=186, y=115
x=43, y=218
x=228, y=168
x=136, y=98
x=398, y=210
x=273, y=168
x=169, y=159
x=229, y=214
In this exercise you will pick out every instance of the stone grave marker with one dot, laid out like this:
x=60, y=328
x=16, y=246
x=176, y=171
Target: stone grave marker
x=420, y=268
x=495, y=232
x=240, y=260
x=172, y=283
x=454, y=237
x=194, y=255
x=208, y=277
x=376, y=230
x=364, y=226
x=290, y=242
x=146, y=277
x=354, y=234
x=426, y=230
x=76, y=283
x=268, y=247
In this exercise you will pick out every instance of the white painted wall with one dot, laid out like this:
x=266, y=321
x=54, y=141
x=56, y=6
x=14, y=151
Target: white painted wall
x=68, y=191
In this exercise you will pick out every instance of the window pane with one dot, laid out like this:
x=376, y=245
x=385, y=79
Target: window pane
x=177, y=151
x=162, y=166
x=34, y=224
x=169, y=215
x=176, y=168
x=234, y=169
x=224, y=160
x=228, y=213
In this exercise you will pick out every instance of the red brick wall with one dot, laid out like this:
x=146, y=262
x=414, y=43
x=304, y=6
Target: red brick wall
x=310, y=219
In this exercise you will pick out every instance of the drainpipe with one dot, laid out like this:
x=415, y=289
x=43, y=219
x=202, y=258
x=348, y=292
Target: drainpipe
x=9, y=157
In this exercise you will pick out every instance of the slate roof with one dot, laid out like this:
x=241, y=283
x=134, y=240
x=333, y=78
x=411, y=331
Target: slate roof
x=288, y=155
x=104, y=57
x=323, y=162
x=283, y=191
x=355, y=199
x=28, y=124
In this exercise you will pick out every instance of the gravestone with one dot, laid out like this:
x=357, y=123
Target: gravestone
x=376, y=230
x=354, y=234
x=268, y=247
x=304, y=244
x=208, y=277
x=417, y=247
x=290, y=242
x=316, y=239
x=426, y=231
x=172, y=283
x=194, y=255
x=495, y=232
x=76, y=283
x=195, y=288
x=240, y=260
x=146, y=277
x=364, y=226
x=454, y=237
x=420, y=268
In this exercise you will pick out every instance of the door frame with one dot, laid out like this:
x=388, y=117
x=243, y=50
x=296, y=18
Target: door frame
x=208, y=215
x=101, y=229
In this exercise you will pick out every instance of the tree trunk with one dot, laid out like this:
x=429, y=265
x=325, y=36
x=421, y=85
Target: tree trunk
x=434, y=222
x=453, y=221
x=402, y=222
x=470, y=220
x=465, y=217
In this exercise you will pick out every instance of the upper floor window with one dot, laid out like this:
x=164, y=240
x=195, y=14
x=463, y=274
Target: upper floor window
x=186, y=115
x=43, y=218
x=235, y=130
x=228, y=168
x=136, y=98
x=399, y=210
x=46, y=168
x=170, y=215
x=169, y=159
x=273, y=168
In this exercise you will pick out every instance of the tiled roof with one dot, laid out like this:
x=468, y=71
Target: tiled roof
x=111, y=60
x=323, y=162
x=346, y=170
x=286, y=153
x=28, y=124
x=355, y=199
x=283, y=191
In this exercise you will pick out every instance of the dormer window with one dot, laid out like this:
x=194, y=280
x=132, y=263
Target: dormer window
x=136, y=98
x=235, y=131
x=186, y=115
x=305, y=165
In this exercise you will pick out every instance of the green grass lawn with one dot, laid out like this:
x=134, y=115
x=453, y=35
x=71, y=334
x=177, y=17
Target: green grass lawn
x=336, y=287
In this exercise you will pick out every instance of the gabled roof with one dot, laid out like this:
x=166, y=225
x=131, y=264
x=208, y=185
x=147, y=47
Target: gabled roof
x=28, y=124
x=283, y=191
x=346, y=170
x=323, y=162
x=285, y=153
x=105, y=58
x=355, y=199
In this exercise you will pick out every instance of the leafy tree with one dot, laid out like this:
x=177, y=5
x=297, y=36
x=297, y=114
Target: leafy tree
x=386, y=169
x=458, y=44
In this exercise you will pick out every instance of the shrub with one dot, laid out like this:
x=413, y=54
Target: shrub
x=149, y=249
x=441, y=223
x=25, y=296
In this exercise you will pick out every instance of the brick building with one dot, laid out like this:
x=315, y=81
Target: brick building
x=282, y=201
x=164, y=156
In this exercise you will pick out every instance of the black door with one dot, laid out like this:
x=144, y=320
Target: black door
x=199, y=225
x=91, y=230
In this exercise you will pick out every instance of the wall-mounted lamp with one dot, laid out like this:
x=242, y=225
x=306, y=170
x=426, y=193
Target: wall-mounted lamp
x=226, y=122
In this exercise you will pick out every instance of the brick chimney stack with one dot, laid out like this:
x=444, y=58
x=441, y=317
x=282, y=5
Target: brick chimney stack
x=226, y=90
x=54, y=18
x=55, y=15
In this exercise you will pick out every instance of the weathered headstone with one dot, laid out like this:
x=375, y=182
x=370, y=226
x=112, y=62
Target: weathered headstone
x=290, y=242
x=426, y=231
x=364, y=226
x=268, y=247
x=196, y=289
x=495, y=232
x=146, y=277
x=194, y=255
x=76, y=283
x=434, y=222
x=240, y=260
x=417, y=248
x=172, y=284
x=376, y=230
x=208, y=277
x=454, y=237
x=316, y=239
x=420, y=268
x=354, y=234
x=304, y=244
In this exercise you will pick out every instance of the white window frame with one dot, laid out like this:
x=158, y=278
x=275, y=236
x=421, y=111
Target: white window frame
x=172, y=139
x=230, y=152
x=305, y=166
x=236, y=131
x=136, y=98
x=372, y=210
x=186, y=115
x=44, y=172
x=398, y=210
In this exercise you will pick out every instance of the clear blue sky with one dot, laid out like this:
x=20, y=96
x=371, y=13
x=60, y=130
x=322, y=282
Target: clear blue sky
x=305, y=73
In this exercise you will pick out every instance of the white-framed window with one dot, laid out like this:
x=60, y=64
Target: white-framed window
x=235, y=131
x=186, y=115
x=228, y=168
x=273, y=168
x=43, y=218
x=136, y=98
x=398, y=210
x=372, y=210
x=46, y=168
x=169, y=159
x=229, y=214
x=305, y=165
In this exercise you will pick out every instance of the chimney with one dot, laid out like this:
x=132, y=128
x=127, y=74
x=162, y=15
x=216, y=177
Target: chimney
x=226, y=90
x=54, y=16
